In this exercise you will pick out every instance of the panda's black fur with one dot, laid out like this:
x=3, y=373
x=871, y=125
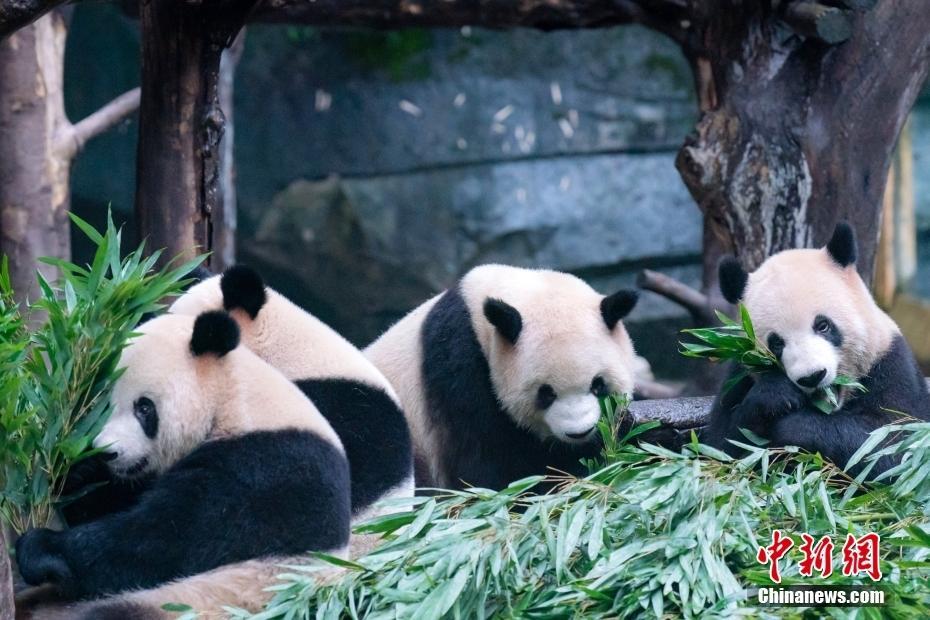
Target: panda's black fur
x=349, y=407
x=369, y=423
x=253, y=495
x=479, y=440
x=772, y=406
x=230, y=500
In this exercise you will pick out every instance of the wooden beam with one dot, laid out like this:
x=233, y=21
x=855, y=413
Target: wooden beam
x=16, y=14
x=539, y=14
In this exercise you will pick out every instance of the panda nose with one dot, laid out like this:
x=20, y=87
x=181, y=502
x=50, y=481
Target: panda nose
x=813, y=380
x=108, y=456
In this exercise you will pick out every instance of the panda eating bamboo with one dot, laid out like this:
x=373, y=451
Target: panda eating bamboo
x=815, y=313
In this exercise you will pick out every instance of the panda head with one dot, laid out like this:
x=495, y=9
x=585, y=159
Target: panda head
x=164, y=403
x=813, y=311
x=554, y=347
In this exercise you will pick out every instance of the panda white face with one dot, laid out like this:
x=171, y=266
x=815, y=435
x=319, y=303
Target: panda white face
x=813, y=311
x=160, y=411
x=810, y=354
x=554, y=346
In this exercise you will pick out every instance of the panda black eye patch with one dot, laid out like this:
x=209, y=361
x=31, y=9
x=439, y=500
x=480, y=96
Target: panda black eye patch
x=826, y=328
x=545, y=396
x=147, y=415
x=599, y=387
x=776, y=344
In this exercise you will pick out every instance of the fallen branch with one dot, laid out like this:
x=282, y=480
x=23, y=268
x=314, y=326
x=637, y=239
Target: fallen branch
x=692, y=300
x=681, y=413
x=72, y=138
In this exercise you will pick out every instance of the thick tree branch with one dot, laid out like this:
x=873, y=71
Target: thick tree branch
x=695, y=302
x=681, y=413
x=540, y=14
x=72, y=139
x=14, y=14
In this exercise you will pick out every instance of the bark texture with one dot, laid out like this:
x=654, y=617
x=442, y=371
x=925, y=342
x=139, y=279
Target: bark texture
x=37, y=147
x=224, y=220
x=796, y=133
x=34, y=195
x=181, y=123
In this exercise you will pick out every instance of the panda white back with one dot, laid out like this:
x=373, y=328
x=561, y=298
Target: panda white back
x=350, y=392
x=500, y=376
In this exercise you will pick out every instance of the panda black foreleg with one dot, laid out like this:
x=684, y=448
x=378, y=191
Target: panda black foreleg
x=770, y=396
x=252, y=496
x=836, y=436
x=95, y=491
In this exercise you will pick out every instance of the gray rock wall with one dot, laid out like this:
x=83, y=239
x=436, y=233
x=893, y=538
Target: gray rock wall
x=376, y=168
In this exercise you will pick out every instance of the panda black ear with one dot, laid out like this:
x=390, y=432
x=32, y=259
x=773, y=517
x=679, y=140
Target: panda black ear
x=243, y=289
x=733, y=279
x=214, y=332
x=615, y=307
x=505, y=318
x=842, y=245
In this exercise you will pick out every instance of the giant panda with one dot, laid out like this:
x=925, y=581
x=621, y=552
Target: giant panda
x=246, y=475
x=814, y=312
x=500, y=375
x=349, y=391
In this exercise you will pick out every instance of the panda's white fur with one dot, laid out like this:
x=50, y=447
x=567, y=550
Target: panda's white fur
x=199, y=398
x=815, y=313
x=789, y=290
x=348, y=389
x=563, y=342
x=287, y=337
x=238, y=450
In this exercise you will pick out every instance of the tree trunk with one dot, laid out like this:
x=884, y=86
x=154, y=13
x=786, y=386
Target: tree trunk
x=7, y=606
x=795, y=133
x=224, y=221
x=178, y=189
x=38, y=145
x=34, y=195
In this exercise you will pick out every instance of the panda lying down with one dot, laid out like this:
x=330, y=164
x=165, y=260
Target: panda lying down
x=248, y=475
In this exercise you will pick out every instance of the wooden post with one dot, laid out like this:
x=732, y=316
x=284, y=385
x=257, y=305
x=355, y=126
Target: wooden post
x=178, y=189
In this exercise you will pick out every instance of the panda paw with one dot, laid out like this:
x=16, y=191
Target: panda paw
x=773, y=395
x=40, y=560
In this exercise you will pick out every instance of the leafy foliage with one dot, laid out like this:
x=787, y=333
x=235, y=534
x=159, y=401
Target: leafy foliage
x=738, y=342
x=56, y=378
x=651, y=534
